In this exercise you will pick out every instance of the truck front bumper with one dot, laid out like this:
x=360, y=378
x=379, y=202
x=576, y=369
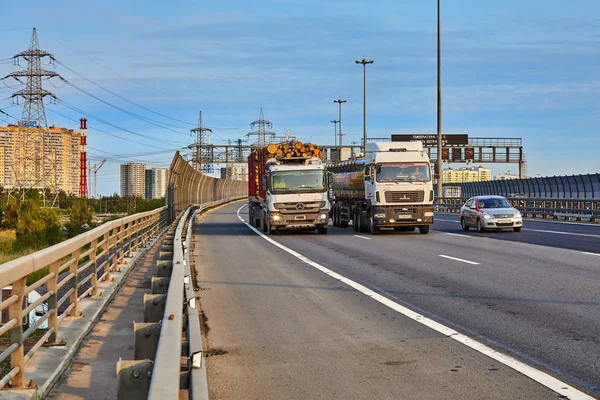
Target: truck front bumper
x=299, y=220
x=403, y=215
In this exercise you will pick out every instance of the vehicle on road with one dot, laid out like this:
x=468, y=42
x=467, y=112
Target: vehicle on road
x=390, y=187
x=287, y=188
x=490, y=212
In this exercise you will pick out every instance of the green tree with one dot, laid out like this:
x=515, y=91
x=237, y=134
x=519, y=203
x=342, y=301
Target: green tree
x=10, y=214
x=36, y=228
x=80, y=218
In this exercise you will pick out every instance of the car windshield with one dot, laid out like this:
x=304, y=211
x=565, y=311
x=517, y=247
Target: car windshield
x=494, y=203
x=403, y=172
x=297, y=181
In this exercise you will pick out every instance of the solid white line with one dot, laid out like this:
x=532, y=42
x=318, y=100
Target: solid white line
x=456, y=234
x=538, y=376
x=564, y=233
x=362, y=237
x=591, y=254
x=460, y=259
x=540, y=230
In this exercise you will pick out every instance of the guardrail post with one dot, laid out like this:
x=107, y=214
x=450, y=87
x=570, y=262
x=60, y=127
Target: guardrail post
x=133, y=379
x=120, y=240
x=16, y=334
x=73, y=298
x=52, y=302
x=94, y=258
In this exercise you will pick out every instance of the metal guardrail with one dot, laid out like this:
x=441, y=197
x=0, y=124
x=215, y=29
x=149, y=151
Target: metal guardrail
x=168, y=348
x=70, y=271
x=566, y=209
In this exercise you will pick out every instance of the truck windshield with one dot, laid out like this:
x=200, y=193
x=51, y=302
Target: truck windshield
x=297, y=181
x=403, y=172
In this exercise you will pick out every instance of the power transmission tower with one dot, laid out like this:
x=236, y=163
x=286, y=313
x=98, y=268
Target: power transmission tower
x=261, y=129
x=201, y=140
x=34, y=161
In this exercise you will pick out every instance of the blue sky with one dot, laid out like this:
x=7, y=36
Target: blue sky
x=528, y=69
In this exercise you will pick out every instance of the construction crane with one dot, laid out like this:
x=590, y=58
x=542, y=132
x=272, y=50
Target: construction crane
x=94, y=170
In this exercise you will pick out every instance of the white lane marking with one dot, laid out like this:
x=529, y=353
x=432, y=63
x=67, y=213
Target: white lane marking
x=591, y=254
x=456, y=234
x=362, y=237
x=541, y=377
x=446, y=220
x=459, y=259
x=540, y=230
x=564, y=233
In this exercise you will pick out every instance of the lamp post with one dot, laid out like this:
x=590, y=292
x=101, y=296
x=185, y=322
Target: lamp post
x=439, y=104
x=364, y=62
x=340, y=101
x=334, y=122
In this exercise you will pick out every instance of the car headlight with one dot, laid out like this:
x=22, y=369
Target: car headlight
x=379, y=215
x=486, y=216
x=517, y=214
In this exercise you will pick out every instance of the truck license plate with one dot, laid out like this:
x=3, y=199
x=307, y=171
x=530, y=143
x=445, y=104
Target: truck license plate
x=404, y=216
x=300, y=217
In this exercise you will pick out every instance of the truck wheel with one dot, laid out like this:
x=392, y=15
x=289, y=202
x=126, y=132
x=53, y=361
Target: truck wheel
x=373, y=229
x=355, y=222
x=335, y=216
x=263, y=224
x=424, y=229
x=322, y=231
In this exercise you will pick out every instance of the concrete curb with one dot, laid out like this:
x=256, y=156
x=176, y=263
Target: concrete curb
x=43, y=390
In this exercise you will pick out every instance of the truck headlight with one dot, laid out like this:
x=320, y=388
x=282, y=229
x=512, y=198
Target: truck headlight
x=428, y=213
x=323, y=216
x=276, y=217
x=379, y=215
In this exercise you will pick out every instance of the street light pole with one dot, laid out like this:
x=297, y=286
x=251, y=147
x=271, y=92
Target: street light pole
x=340, y=101
x=334, y=122
x=439, y=104
x=364, y=62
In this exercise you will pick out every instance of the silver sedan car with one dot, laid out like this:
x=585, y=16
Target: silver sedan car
x=489, y=212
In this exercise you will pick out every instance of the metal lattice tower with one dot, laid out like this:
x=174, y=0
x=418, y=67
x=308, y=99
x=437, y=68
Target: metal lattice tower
x=261, y=129
x=34, y=163
x=201, y=140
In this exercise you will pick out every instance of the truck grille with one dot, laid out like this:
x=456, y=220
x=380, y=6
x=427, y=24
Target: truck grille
x=404, y=197
x=300, y=207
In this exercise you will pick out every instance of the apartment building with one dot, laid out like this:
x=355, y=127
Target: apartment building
x=133, y=180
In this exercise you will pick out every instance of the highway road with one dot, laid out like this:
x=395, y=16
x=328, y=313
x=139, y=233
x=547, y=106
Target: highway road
x=395, y=315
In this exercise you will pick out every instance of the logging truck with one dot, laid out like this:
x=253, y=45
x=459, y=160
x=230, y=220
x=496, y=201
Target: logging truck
x=287, y=188
x=390, y=187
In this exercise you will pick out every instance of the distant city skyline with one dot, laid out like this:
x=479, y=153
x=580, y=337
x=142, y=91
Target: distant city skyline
x=512, y=69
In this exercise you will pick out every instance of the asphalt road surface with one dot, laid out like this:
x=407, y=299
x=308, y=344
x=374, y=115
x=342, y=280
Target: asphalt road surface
x=281, y=328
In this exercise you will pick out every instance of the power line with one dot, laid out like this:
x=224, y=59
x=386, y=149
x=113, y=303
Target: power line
x=78, y=110
x=102, y=131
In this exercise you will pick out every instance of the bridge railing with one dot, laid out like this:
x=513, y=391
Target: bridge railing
x=67, y=273
x=577, y=209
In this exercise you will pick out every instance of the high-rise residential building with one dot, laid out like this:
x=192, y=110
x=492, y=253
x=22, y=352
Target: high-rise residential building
x=60, y=163
x=237, y=172
x=133, y=180
x=507, y=175
x=478, y=174
x=156, y=183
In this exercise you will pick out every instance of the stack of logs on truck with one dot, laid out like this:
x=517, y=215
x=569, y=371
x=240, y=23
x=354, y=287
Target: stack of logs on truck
x=287, y=188
x=390, y=187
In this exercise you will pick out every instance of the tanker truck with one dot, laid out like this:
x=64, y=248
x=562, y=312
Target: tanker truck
x=287, y=188
x=390, y=186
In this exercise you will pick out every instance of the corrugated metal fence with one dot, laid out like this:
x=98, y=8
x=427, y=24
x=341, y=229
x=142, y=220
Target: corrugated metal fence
x=558, y=187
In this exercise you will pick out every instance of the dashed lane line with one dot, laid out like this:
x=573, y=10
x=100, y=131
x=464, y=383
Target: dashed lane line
x=459, y=259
